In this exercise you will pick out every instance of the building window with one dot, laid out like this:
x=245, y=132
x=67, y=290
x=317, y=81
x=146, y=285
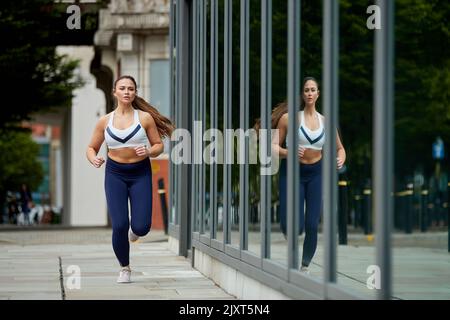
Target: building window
x=160, y=85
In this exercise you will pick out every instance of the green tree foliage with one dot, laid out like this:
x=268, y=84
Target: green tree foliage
x=18, y=162
x=356, y=87
x=36, y=77
x=422, y=74
x=422, y=77
x=422, y=82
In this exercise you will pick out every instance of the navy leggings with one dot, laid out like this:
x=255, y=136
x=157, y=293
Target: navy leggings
x=133, y=181
x=311, y=192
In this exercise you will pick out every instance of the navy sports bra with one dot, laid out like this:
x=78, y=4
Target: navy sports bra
x=130, y=137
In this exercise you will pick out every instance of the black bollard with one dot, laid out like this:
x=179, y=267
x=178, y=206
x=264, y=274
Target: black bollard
x=407, y=198
x=343, y=211
x=448, y=215
x=357, y=221
x=423, y=210
x=162, y=197
x=367, y=211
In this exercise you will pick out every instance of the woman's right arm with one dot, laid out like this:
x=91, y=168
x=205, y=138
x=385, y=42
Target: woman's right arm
x=96, y=142
x=280, y=136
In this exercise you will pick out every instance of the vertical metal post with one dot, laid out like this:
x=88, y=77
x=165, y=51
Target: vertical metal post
x=331, y=108
x=292, y=137
x=193, y=110
x=201, y=107
x=227, y=93
x=244, y=88
x=203, y=115
x=172, y=108
x=178, y=104
x=266, y=101
x=448, y=216
x=383, y=142
x=214, y=112
x=183, y=60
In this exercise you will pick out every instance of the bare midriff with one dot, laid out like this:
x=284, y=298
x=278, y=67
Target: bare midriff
x=311, y=156
x=125, y=155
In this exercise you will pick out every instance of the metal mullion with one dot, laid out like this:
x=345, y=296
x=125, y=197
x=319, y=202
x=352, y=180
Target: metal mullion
x=244, y=86
x=172, y=109
x=195, y=226
x=227, y=120
x=183, y=71
x=384, y=144
x=213, y=115
x=266, y=101
x=197, y=116
x=196, y=111
x=204, y=43
x=177, y=104
x=293, y=103
x=200, y=113
x=331, y=109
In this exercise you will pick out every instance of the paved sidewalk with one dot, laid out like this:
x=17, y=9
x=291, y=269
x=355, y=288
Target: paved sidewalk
x=42, y=265
x=420, y=264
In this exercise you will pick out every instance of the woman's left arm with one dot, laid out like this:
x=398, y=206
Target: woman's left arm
x=341, y=155
x=157, y=147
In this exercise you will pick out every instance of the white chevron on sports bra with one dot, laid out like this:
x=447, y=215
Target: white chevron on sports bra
x=132, y=136
x=311, y=139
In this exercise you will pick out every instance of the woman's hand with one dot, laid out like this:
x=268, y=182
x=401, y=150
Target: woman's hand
x=340, y=163
x=301, y=152
x=98, y=161
x=142, y=151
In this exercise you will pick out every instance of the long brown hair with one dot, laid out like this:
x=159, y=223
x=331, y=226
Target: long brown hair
x=282, y=108
x=164, y=125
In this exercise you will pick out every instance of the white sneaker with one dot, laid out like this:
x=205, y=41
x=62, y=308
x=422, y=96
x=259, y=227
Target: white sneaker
x=132, y=236
x=304, y=269
x=124, y=275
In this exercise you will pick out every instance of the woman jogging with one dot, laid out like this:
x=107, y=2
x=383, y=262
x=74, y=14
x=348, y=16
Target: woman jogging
x=311, y=140
x=133, y=133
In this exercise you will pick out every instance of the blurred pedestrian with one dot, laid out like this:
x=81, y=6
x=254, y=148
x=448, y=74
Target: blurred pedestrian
x=26, y=202
x=12, y=207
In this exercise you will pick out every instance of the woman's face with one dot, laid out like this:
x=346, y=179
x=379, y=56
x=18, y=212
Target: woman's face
x=310, y=93
x=125, y=91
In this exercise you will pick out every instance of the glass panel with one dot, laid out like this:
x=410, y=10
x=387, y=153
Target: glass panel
x=196, y=216
x=279, y=95
x=254, y=93
x=206, y=123
x=159, y=89
x=220, y=107
x=421, y=261
x=235, y=102
x=356, y=252
x=172, y=167
x=159, y=85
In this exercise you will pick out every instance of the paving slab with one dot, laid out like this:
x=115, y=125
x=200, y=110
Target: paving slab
x=44, y=265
